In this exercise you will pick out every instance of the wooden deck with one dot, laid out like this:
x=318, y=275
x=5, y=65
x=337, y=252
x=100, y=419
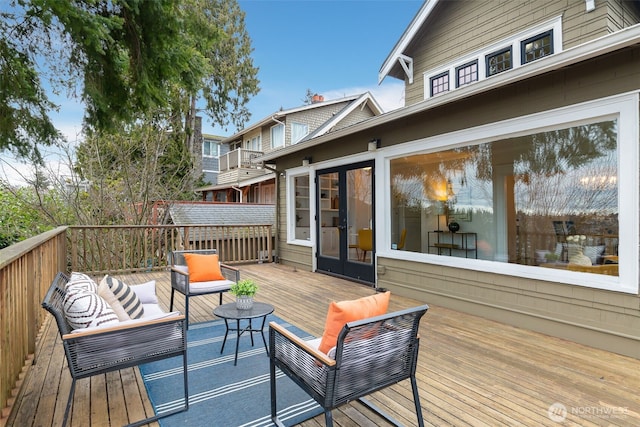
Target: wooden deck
x=471, y=371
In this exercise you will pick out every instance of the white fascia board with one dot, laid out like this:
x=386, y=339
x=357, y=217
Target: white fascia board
x=609, y=43
x=360, y=102
x=406, y=38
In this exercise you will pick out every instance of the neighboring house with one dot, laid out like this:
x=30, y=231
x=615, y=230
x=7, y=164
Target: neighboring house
x=243, y=181
x=212, y=150
x=220, y=215
x=507, y=187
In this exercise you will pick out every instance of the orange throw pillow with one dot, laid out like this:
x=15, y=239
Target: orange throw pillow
x=203, y=268
x=343, y=312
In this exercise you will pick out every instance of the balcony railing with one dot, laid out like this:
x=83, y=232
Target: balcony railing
x=27, y=269
x=240, y=158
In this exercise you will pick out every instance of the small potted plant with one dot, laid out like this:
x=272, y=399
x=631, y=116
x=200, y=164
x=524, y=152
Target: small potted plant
x=244, y=291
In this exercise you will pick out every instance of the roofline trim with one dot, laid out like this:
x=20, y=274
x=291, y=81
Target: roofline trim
x=360, y=102
x=281, y=113
x=606, y=44
x=397, y=53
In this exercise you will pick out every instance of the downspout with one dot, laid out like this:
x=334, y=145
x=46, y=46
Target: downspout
x=277, y=228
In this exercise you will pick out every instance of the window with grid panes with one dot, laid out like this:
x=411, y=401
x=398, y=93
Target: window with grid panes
x=440, y=83
x=537, y=47
x=498, y=62
x=467, y=73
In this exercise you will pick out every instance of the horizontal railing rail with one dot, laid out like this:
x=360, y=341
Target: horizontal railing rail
x=238, y=158
x=26, y=271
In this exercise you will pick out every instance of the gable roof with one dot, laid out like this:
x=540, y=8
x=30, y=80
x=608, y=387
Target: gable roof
x=354, y=102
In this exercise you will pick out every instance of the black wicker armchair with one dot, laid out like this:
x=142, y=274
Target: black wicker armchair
x=111, y=348
x=371, y=354
x=180, y=279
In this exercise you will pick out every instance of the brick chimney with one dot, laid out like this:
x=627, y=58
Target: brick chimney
x=317, y=98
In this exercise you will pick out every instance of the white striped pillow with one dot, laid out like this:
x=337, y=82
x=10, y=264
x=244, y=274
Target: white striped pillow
x=83, y=309
x=127, y=297
x=81, y=281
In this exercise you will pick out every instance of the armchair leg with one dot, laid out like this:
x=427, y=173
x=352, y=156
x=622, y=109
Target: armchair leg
x=416, y=400
x=328, y=418
x=380, y=412
x=274, y=406
x=186, y=311
x=220, y=298
x=173, y=291
x=69, y=400
x=184, y=408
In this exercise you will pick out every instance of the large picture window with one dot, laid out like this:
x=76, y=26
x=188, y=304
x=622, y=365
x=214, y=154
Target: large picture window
x=547, y=199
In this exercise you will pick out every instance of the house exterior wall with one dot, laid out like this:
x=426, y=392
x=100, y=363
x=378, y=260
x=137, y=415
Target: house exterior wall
x=599, y=318
x=457, y=28
x=356, y=116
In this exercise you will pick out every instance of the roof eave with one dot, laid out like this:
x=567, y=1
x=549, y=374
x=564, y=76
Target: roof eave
x=406, y=39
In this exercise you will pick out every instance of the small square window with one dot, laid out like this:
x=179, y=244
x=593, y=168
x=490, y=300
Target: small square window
x=467, y=73
x=537, y=47
x=439, y=83
x=498, y=62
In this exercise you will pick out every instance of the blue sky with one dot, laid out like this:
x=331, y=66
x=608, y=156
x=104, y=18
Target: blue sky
x=333, y=47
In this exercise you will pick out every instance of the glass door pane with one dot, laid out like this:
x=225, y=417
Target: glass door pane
x=329, y=196
x=360, y=214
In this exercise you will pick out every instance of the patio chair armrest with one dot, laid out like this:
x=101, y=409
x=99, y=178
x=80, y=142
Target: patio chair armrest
x=230, y=273
x=179, y=271
x=302, y=345
x=128, y=325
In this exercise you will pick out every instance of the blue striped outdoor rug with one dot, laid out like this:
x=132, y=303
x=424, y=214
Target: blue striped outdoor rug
x=221, y=394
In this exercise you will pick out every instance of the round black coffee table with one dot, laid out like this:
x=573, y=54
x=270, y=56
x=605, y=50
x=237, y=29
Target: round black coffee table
x=230, y=312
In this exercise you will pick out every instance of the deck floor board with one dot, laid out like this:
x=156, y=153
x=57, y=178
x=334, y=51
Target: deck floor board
x=471, y=371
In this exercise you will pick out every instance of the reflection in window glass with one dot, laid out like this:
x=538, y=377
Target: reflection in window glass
x=537, y=47
x=498, y=62
x=277, y=136
x=301, y=184
x=547, y=199
x=298, y=131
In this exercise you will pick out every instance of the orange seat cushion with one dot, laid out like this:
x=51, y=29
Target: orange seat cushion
x=343, y=312
x=203, y=268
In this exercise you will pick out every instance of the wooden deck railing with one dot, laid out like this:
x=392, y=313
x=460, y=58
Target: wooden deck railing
x=27, y=269
x=131, y=248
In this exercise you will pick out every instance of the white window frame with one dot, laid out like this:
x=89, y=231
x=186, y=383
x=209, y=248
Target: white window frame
x=253, y=143
x=291, y=206
x=623, y=107
x=213, y=143
x=295, y=138
x=278, y=126
x=554, y=25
